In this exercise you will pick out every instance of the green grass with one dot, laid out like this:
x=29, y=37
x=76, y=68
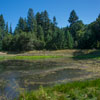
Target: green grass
x=87, y=90
x=27, y=57
x=2, y=57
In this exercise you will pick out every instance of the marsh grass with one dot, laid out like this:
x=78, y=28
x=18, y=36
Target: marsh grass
x=87, y=90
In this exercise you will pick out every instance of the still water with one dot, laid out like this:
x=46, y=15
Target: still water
x=18, y=76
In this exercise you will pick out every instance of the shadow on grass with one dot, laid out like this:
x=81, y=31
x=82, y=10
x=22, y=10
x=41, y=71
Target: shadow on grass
x=12, y=52
x=15, y=52
x=84, y=54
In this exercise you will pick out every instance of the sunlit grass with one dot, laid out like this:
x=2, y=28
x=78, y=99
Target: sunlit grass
x=88, y=90
x=27, y=57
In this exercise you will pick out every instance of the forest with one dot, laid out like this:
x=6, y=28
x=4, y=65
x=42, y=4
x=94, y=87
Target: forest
x=39, y=32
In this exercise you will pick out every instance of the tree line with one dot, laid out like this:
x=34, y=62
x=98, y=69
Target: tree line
x=38, y=32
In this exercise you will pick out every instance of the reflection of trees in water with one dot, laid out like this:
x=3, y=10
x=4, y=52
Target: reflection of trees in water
x=12, y=88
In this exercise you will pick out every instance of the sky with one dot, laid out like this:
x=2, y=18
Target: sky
x=87, y=10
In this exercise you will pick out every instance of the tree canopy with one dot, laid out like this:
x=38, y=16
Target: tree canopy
x=38, y=32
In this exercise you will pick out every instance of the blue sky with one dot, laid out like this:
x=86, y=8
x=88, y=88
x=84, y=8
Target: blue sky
x=87, y=10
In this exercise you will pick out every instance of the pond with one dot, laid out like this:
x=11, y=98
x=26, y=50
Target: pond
x=17, y=76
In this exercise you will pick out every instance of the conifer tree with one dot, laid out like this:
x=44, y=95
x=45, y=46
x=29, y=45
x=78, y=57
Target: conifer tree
x=10, y=29
x=30, y=20
x=54, y=21
x=2, y=23
x=73, y=17
x=39, y=19
x=45, y=24
x=21, y=26
x=54, y=25
x=2, y=26
x=6, y=28
x=0, y=40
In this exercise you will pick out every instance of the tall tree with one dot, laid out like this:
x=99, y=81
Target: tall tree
x=2, y=26
x=21, y=26
x=10, y=29
x=2, y=22
x=45, y=23
x=54, y=21
x=7, y=28
x=73, y=17
x=39, y=19
x=54, y=25
x=0, y=39
x=31, y=21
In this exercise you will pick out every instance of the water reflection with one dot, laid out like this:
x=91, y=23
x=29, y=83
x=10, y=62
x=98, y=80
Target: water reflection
x=11, y=89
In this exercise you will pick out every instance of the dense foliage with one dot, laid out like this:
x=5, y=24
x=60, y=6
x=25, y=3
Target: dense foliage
x=38, y=32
